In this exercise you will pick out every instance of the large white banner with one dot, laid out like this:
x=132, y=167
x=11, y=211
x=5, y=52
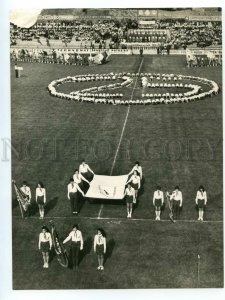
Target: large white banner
x=107, y=187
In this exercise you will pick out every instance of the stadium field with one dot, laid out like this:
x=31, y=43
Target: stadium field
x=177, y=144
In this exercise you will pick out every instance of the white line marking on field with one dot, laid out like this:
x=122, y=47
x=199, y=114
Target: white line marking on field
x=123, y=219
x=122, y=132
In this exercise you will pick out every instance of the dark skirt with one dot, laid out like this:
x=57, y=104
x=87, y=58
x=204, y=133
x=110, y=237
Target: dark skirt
x=135, y=186
x=158, y=202
x=201, y=203
x=99, y=249
x=40, y=200
x=45, y=247
x=129, y=199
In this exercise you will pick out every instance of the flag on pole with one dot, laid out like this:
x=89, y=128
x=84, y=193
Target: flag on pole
x=22, y=198
x=58, y=247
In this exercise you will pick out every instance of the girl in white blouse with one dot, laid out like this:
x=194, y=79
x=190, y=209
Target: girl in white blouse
x=100, y=247
x=201, y=200
x=135, y=183
x=45, y=244
x=78, y=177
x=137, y=168
x=41, y=198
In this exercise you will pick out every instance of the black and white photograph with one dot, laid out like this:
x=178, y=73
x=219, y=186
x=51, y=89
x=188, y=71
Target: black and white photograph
x=116, y=148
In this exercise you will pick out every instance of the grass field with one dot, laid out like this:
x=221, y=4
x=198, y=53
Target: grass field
x=176, y=144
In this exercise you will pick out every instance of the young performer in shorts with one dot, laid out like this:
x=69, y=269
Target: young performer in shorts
x=100, y=247
x=158, y=200
x=129, y=195
x=76, y=245
x=135, y=183
x=45, y=245
x=201, y=200
x=41, y=198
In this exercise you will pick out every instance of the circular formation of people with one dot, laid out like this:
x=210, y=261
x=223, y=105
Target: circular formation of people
x=101, y=93
x=79, y=183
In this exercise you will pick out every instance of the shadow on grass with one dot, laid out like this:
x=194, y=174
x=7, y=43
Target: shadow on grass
x=109, y=249
x=51, y=204
x=88, y=243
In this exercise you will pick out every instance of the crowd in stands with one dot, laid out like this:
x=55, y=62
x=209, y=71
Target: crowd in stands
x=114, y=33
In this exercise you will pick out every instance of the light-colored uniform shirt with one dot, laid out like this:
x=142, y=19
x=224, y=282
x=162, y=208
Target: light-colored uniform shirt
x=45, y=237
x=201, y=196
x=78, y=178
x=75, y=236
x=72, y=187
x=99, y=240
x=26, y=191
x=177, y=196
x=138, y=169
x=136, y=180
x=158, y=195
x=84, y=168
x=129, y=192
x=41, y=192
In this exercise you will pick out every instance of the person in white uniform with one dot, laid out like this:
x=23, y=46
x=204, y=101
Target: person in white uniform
x=177, y=199
x=45, y=245
x=129, y=195
x=135, y=183
x=78, y=178
x=158, y=200
x=86, y=171
x=201, y=200
x=76, y=245
x=72, y=195
x=100, y=247
x=41, y=198
x=137, y=168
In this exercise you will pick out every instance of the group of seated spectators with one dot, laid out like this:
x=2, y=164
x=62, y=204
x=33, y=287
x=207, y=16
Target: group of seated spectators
x=198, y=33
x=112, y=33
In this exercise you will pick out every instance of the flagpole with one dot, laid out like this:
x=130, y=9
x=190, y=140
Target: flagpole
x=21, y=210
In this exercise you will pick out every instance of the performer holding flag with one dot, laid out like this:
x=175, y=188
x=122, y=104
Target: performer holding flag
x=76, y=239
x=23, y=195
x=177, y=199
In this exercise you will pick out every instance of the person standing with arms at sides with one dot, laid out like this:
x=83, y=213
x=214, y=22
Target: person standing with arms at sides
x=45, y=244
x=77, y=178
x=158, y=200
x=41, y=198
x=177, y=198
x=201, y=200
x=72, y=194
x=26, y=190
x=76, y=239
x=85, y=170
x=135, y=183
x=100, y=247
x=137, y=168
x=129, y=195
